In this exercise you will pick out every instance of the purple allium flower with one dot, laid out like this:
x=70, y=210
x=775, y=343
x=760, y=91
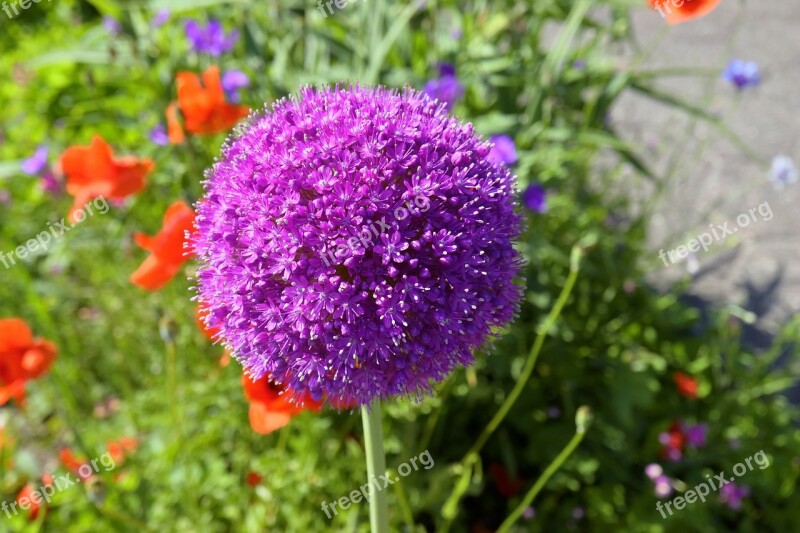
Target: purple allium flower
x=112, y=25
x=742, y=74
x=446, y=88
x=319, y=173
x=37, y=162
x=528, y=513
x=696, y=435
x=210, y=39
x=732, y=494
x=535, y=198
x=158, y=135
x=653, y=471
x=783, y=172
x=663, y=486
x=160, y=18
x=503, y=150
x=232, y=81
x=51, y=184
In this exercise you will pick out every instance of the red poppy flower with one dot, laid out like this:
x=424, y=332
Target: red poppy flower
x=506, y=485
x=685, y=384
x=253, y=479
x=91, y=171
x=203, y=106
x=673, y=442
x=270, y=408
x=22, y=358
x=167, y=252
x=72, y=462
x=119, y=449
x=688, y=9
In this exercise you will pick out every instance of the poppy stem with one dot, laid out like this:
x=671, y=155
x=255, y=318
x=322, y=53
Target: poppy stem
x=376, y=466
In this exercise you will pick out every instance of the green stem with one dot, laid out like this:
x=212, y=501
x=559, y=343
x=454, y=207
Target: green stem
x=376, y=466
x=471, y=455
x=546, y=475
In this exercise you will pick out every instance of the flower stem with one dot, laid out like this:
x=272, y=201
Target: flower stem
x=583, y=417
x=487, y=432
x=376, y=466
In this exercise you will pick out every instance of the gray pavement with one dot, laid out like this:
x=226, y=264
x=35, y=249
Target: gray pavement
x=714, y=180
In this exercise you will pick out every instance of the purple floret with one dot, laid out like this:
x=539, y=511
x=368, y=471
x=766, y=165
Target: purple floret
x=430, y=266
x=211, y=38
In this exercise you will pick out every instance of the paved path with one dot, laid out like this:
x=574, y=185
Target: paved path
x=757, y=267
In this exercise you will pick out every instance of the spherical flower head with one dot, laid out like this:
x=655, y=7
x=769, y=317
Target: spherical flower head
x=357, y=244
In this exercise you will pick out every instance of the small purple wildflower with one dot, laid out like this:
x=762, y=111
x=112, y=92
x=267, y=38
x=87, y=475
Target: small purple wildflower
x=37, y=162
x=5, y=197
x=578, y=513
x=663, y=486
x=783, y=172
x=305, y=179
x=696, y=435
x=160, y=18
x=742, y=74
x=504, y=150
x=210, y=39
x=579, y=64
x=158, y=135
x=446, y=88
x=112, y=25
x=732, y=494
x=528, y=513
x=535, y=198
x=653, y=470
x=553, y=411
x=232, y=81
x=51, y=184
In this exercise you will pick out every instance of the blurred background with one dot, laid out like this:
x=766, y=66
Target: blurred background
x=628, y=136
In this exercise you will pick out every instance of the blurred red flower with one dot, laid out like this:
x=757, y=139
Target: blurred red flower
x=506, y=485
x=71, y=462
x=27, y=492
x=203, y=106
x=167, y=252
x=686, y=11
x=685, y=384
x=270, y=408
x=21, y=358
x=91, y=171
x=120, y=448
x=253, y=479
x=673, y=442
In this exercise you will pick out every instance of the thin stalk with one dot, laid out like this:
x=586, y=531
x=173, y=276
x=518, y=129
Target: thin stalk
x=582, y=416
x=471, y=457
x=487, y=432
x=376, y=466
